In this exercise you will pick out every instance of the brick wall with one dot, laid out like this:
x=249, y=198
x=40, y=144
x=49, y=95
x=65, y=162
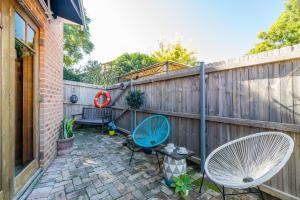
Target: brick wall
x=50, y=82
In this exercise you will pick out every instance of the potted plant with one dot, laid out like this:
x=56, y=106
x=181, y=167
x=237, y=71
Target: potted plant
x=135, y=99
x=66, y=140
x=112, y=129
x=182, y=184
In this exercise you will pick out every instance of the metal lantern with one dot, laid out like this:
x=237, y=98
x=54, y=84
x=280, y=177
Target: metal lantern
x=74, y=98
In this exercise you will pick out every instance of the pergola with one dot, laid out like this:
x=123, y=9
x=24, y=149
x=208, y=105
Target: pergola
x=156, y=69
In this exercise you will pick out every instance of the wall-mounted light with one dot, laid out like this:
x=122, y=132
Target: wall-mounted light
x=74, y=98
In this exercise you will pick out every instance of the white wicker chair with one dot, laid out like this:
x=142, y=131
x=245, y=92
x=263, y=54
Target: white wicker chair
x=249, y=161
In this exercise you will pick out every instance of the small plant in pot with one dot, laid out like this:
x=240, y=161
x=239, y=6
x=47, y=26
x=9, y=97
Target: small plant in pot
x=182, y=184
x=66, y=139
x=135, y=99
x=112, y=129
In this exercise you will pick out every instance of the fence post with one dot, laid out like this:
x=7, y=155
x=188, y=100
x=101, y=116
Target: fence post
x=202, y=112
x=131, y=111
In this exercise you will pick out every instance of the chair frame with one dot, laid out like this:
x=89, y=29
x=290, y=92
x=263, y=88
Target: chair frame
x=134, y=148
x=138, y=147
x=258, y=181
x=230, y=194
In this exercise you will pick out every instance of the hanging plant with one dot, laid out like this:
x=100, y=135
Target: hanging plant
x=135, y=99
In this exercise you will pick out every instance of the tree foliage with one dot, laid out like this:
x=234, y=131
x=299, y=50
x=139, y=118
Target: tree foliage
x=106, y=74
x=135, y=99
x=92, y=72
x=128, y=62
x=99, y=74
x=175, y=52
x=284, y=32
x=76, y=42
x=109, y=75
x=72, y=75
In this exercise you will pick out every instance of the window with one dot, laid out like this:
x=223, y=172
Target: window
x=30, y=36
x=19, y=27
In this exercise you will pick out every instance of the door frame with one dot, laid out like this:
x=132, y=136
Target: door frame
x=10, y=185
x=21, y=179
x=2, y=82
x=6, y=61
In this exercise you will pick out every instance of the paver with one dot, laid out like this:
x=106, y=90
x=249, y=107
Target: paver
x=58, y=189
x=60, y=195
x=76, y=181
x=114, y=192
x=76, y=194
x=120, y=187
x=97, y=183
x=128, y=196
x=103, y=194
x=69, y=188
x=138, y=194
x=166, y=190
x=98, y=168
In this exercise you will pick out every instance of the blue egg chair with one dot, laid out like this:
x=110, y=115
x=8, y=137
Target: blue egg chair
x=152, y=132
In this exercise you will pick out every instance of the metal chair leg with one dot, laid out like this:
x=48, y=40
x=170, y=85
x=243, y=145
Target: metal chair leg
x=157, y=159
x=132, y=152
x=261, y=194
x=202, y=180
x=102, y=130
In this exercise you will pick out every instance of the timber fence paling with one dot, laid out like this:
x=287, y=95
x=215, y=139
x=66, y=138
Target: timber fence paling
x=243, y=96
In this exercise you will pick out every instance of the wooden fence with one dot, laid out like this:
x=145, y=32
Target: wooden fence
x=244, y=96
x=85, y=93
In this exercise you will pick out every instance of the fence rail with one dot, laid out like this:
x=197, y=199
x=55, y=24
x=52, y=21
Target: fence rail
x=243, y=96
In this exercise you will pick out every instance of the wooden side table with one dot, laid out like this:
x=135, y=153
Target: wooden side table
x=174, y=163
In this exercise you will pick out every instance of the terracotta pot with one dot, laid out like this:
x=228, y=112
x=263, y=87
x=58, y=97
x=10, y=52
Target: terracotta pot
x=65, y=146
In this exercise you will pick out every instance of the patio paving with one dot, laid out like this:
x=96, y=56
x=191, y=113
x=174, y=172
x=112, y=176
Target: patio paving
x=98, y=169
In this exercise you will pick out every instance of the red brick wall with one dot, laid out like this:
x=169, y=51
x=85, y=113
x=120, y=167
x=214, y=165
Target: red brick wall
x=50, y=82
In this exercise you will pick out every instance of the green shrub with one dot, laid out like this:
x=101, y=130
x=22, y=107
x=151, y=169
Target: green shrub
x=135, y=99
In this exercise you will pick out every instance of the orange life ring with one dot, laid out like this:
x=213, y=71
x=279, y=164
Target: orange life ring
x=107, y=101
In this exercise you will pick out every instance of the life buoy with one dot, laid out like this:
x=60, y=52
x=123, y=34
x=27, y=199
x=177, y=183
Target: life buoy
x=107, y=101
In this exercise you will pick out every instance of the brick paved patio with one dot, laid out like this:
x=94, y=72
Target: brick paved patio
x=98, y=169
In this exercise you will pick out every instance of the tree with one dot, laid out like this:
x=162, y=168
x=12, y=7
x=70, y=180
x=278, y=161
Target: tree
x=128, y=62
x=92, y=72
x=284, y=32
x=175, y=52
x=98, y=74
x=76, y=42
x=109, y=75
x=72, y=75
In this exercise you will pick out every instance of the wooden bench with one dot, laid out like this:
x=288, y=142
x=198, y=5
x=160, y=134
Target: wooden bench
x=94, y=116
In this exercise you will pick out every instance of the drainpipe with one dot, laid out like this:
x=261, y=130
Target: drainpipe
x=202, y=112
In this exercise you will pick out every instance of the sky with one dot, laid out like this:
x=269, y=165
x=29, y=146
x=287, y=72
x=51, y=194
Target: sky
x=216, y=29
